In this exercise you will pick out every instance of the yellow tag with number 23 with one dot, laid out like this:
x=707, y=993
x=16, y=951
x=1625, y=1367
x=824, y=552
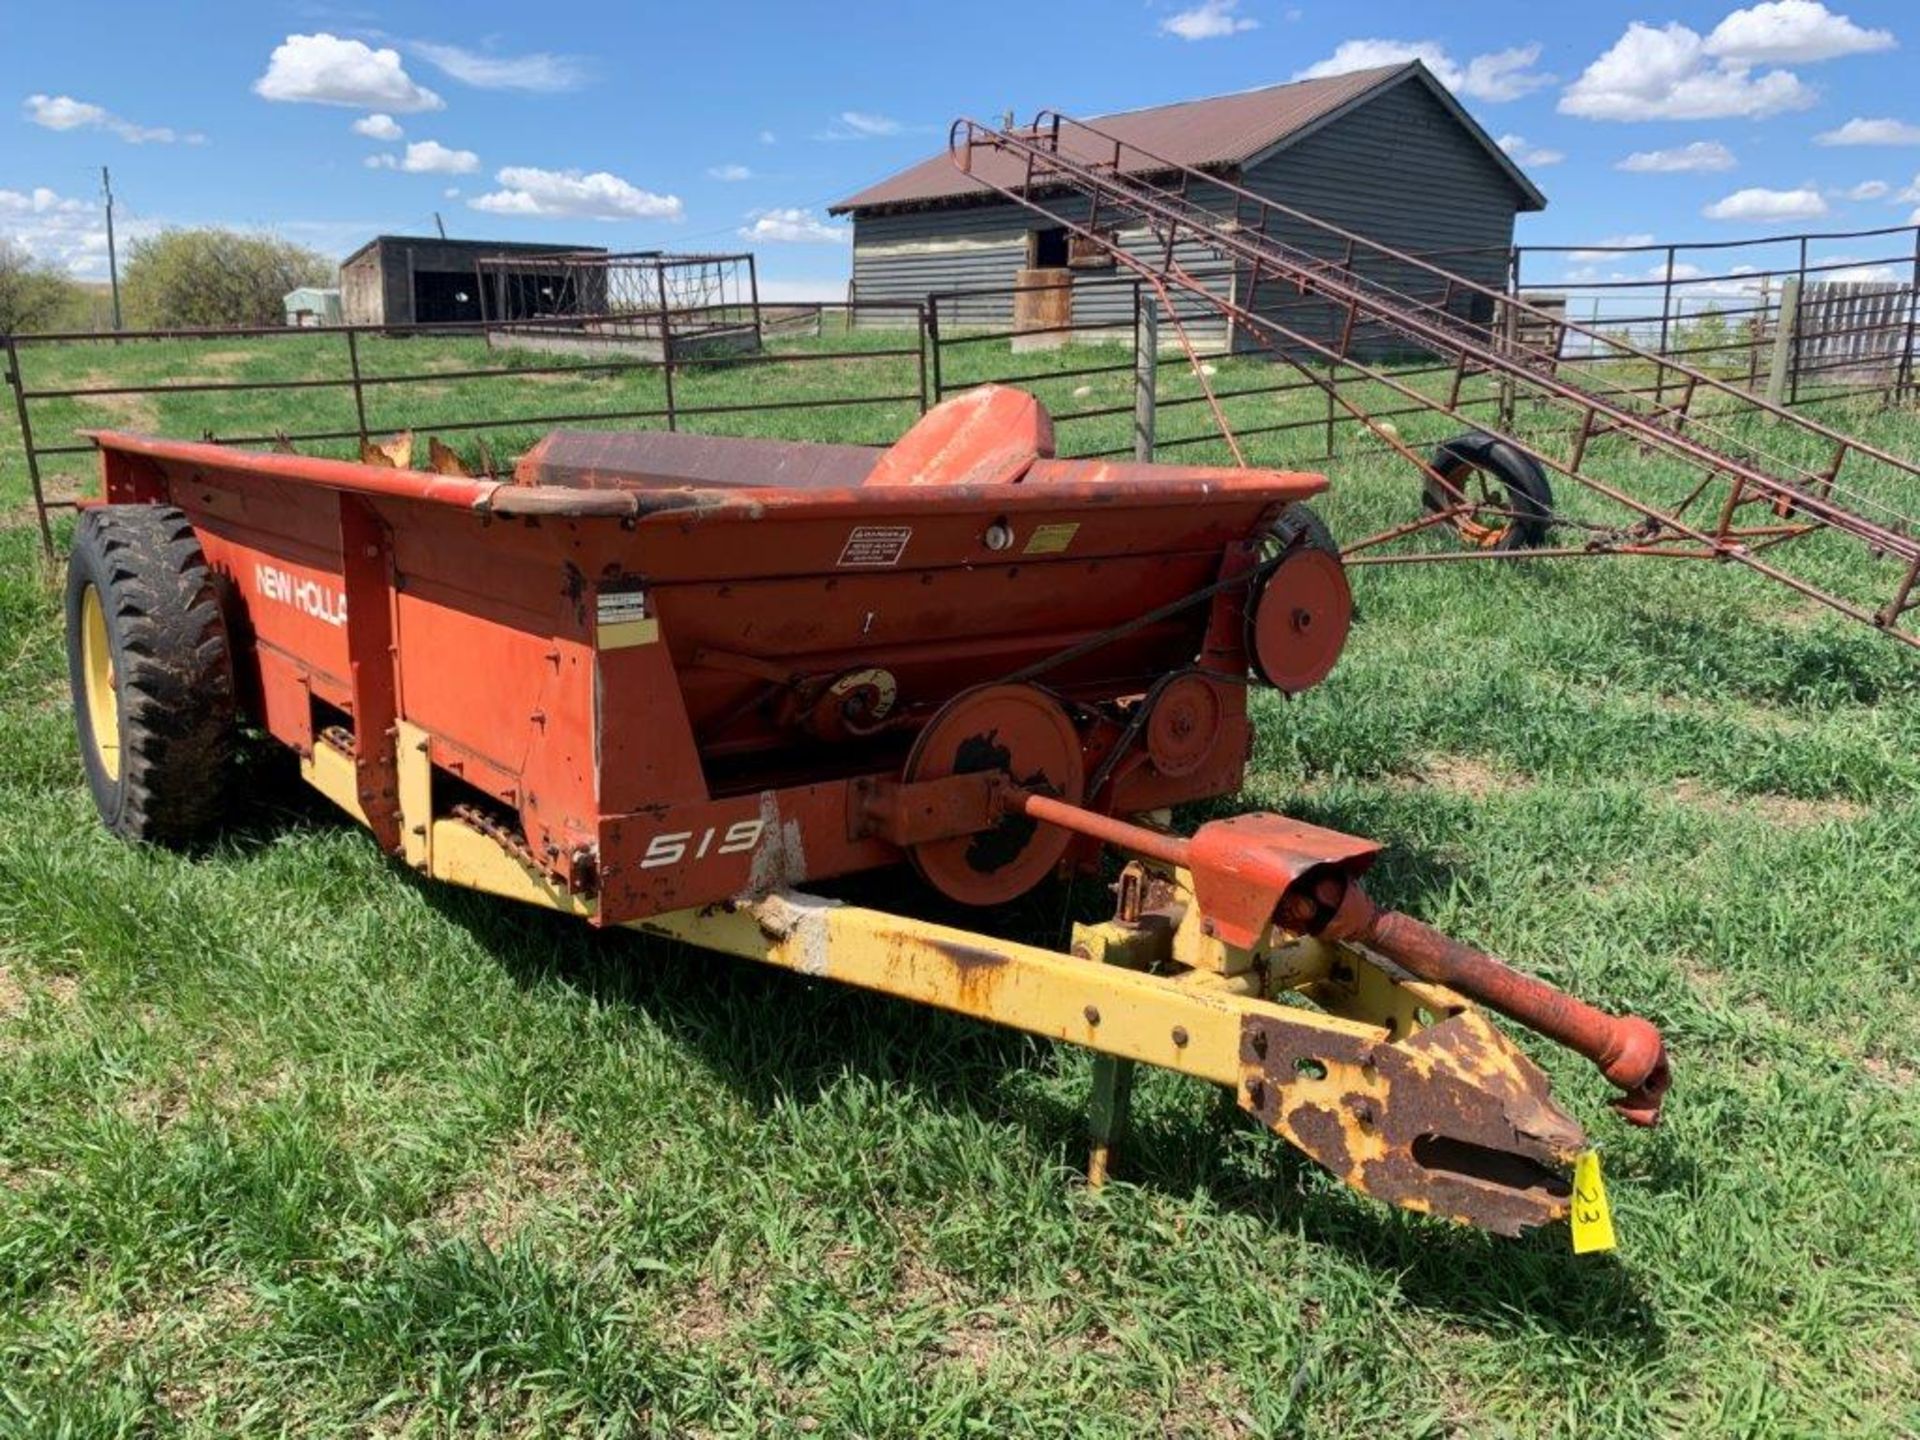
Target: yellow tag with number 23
x=1592, y=1220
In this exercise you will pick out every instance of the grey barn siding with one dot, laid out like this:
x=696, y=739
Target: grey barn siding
x=993, y=251
x=1398, y=168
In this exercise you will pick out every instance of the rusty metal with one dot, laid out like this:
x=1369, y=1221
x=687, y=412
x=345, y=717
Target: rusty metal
x=1017, y=731
x=1298, y=626
x=1254, y=872
x=1046, y=168
x=1627, y=1049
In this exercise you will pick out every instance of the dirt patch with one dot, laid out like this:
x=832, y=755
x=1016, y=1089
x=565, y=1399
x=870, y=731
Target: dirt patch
x=17, y=993
x=713, y=1309
x=1459, y=775
x=1891, y=1072
x=537, y=1170
x=224, y=360
x=117, y=412
x=1781, y=810
x=1209, y=1401
x=13, y=995
x=975, y=1342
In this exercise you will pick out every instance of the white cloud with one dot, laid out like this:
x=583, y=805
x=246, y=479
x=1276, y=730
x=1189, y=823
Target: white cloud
x=1495, y=76
x=730, y=173
x=1757, y=203
x=794, y=226
x=452, y=192
x=767, y=137
x=1871, y=132
x=1912, y=192
x=1607, y=246
x=1791, y=30
x=428, y=157
x=378, y=127
x=1209, y=20
x=58, y=229
x=1868, y=190
x=323, y=69
x=1523, y=153
x=63, y=112
x=1699, y=155
x=861, y=125
x=529, y=190
x=862, y=122
x=540, y=72
x=1867, y=274
x=1668, y=74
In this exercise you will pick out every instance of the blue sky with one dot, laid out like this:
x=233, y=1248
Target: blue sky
x=736, y=124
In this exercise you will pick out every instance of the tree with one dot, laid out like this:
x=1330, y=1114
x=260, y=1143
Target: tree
x=33, y=295
x=215, y=277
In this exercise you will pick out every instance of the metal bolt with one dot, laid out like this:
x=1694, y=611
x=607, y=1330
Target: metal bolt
x=1180, y=1036
x=1092, y=1012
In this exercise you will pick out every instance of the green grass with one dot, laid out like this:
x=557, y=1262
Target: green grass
x=292, y=1141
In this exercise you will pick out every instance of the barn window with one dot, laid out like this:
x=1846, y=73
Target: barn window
x=1047, y=249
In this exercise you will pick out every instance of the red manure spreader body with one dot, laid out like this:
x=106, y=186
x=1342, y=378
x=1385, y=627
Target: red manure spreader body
x=677, y=682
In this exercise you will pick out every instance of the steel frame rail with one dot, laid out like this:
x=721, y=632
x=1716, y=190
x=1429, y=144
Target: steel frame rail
x=1664, y=417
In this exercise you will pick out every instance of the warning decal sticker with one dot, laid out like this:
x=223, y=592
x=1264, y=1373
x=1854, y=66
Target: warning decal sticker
x=875, y=545
x=623, y=618
x=1052, y=539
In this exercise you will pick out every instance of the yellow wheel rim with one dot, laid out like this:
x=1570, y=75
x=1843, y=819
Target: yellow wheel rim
x=103, y=695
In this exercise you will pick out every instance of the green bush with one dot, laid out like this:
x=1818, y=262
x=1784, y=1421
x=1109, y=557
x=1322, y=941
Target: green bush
x=215, y=277
x=33, y=295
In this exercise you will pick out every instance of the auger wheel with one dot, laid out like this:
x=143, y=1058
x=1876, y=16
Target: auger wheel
x=1496, y=497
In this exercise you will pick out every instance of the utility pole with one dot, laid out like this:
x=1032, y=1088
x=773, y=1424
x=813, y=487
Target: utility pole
x=113, y=260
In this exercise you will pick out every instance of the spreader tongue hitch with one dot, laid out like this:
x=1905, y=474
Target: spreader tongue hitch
x=1423, y=1103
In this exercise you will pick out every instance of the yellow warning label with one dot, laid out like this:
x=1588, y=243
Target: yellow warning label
x=1592, y=1220
x=621, y=634
x=1051, y=539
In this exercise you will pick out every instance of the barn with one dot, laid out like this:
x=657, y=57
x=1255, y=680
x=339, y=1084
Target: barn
x=423, y=280
x=1387, y=152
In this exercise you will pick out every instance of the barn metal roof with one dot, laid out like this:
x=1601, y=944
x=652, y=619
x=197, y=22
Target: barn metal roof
x=1213, y=133
x=506, y=247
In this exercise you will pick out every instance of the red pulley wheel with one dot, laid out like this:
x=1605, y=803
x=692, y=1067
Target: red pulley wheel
x=1298, y=625
x=1022, y=731
x=1185, y=714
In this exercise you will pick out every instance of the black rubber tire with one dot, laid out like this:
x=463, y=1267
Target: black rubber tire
x=1529, y=495
x=1301, y=524
x=173, y=672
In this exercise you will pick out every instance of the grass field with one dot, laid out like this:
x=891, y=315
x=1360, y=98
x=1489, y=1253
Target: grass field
x=291, y=1141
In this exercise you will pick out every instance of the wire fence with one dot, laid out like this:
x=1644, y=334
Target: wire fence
x=352, y=383
x=1804, y=319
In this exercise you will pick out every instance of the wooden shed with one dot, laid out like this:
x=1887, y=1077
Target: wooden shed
x=420, y=280
x=1386, y=152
